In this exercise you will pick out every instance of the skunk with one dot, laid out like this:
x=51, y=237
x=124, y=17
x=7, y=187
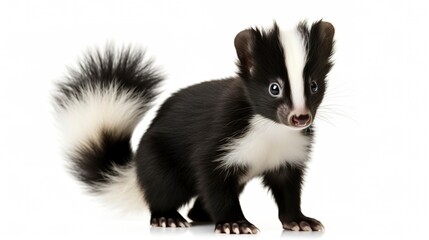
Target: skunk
x=207, y=140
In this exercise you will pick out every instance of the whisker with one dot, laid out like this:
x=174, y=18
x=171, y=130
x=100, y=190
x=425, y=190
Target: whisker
x=324, y=119
x=338, y=113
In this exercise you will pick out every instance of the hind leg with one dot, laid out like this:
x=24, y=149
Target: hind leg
x=165, y=191
x=164, y=199
x=198, y=213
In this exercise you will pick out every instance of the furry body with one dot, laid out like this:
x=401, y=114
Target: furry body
x=207, y=140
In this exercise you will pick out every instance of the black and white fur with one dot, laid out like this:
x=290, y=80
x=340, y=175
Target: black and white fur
x=206, y=141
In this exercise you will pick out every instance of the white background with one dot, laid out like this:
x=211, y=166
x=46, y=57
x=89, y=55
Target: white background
x=368, y=177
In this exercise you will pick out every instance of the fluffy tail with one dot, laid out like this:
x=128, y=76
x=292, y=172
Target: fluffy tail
x=98, y=106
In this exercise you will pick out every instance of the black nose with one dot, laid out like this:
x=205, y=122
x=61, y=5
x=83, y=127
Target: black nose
x=301, y=120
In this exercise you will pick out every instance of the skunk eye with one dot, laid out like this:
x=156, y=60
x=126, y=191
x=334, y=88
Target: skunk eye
x=314, y=87
x=274, y=89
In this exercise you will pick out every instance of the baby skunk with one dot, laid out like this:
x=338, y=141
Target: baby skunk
x=208, y=140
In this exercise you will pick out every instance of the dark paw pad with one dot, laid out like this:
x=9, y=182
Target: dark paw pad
x=240, y=227
x=303, y=224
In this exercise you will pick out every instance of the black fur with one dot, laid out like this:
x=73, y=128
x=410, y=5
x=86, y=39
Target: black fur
x=177, y=158
x=185, y=139
x=183, y=145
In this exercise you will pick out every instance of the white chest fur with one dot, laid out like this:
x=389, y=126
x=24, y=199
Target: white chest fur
x=266, y=146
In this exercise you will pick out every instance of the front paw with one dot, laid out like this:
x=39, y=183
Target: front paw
x=236, y=227
x=302, y=223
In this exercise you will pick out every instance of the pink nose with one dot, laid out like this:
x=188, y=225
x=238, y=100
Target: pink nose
x=302, y=120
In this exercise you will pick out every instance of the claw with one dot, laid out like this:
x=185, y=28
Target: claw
x=305, y=226
x=171, y=223
x=235, y=228
x=162, y=222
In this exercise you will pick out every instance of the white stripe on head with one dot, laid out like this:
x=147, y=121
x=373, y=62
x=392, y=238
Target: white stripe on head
x=296, y=57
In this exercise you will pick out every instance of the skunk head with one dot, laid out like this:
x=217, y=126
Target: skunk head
x=284, y=71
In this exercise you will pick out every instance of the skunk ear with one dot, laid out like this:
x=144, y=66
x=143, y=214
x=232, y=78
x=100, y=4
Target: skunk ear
x=327, y=30
x=324, y=33
x=244, y=45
